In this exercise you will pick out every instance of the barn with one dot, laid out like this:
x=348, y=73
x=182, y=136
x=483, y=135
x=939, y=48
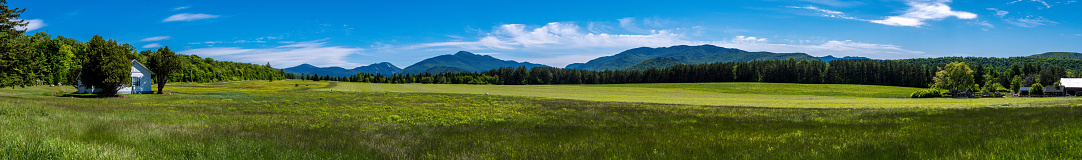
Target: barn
x=1071, y=86
x=140, y=81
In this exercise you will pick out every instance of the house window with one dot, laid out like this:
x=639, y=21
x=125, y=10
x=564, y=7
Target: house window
x=135, y=80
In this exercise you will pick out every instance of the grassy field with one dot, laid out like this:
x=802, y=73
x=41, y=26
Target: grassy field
x=690, y=94
x=836, y=90
x=310, y=120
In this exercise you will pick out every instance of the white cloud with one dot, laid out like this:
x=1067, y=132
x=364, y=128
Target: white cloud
x=157, y=38
x=32, y=24
x=189, y=17
x=1030, y=21
x=311, y=52
x=560, y=43
x=181, y=8
x=152, y=45
x=923, y=10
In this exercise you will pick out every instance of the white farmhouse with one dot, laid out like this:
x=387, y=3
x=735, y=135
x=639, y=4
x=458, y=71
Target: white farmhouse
x=140, y=81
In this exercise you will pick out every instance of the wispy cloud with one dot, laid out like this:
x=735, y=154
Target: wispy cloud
x=828, y=13
x=923, y=10
x=998, y=12
x=836, y=3
x=1022, y=20
x=157, y=38
x=189, y=17
x=181, y=8
x=32, y=24
x=918, y=13
x=311, y=52
x=152, y=45
x=1042, y=2
x=1030, y=21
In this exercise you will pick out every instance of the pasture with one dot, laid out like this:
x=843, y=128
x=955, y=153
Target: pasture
x=710, y=94
x=321, y=120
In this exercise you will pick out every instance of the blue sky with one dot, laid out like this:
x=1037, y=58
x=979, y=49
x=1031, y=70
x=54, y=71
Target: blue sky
x=557, y=32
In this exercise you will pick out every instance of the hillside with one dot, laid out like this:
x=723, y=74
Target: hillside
x=466, y=61
x=378, y=68
x=439, y=70
x=1060, y=55
x=659, y=62
x=692, y=55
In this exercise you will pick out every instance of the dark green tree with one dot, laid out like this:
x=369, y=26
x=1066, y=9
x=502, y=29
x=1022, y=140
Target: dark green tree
x=16, y=65
x=107, y=66
x=163, y=63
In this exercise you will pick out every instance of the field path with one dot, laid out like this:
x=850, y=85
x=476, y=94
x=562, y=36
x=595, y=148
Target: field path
x=683, y=96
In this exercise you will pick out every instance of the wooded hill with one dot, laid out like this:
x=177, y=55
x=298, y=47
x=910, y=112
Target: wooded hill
x=383, y=68
x=465, y=61
x=684, y=55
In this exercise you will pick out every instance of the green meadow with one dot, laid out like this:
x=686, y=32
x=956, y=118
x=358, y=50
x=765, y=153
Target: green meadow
x=335, y=120
x=711, y=94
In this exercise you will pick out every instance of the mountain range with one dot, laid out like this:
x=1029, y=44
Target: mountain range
x=466, y=61
x=634, y=59
x=681, y=55
x=384, y=68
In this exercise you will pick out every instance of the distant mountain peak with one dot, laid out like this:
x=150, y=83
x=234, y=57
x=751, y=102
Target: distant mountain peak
x=462, y=53
x=383, y=68
x=464, y=60
x=306, y=65
x=701, y=54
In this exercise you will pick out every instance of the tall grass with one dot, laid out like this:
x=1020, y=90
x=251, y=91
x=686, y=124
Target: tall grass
x=261, y=120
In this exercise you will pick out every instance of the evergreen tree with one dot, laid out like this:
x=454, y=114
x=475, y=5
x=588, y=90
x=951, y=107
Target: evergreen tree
x=16, y=65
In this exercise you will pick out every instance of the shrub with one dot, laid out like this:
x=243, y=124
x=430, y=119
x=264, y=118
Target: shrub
x=1037, y=89
x=927, y=93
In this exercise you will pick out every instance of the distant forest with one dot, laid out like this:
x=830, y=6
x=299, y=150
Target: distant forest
x=909, y=73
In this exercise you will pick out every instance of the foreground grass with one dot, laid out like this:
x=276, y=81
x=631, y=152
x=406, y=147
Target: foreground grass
x=662, y=93
x=286, y=120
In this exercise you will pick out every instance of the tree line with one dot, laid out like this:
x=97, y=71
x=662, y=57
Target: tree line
x=777, y=71
x=852, y=71
x=44, y=59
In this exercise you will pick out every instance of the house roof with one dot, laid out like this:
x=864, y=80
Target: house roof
x=135, y=63
x=1053, y=89
x=1071, y=82
x=1024, y=89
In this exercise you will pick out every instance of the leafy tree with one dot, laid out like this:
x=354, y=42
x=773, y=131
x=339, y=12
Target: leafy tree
x=107, y=66
x=163, y=63
x=1036, y=89
x=1016, y=83
x=16, y=65
x=956, y=77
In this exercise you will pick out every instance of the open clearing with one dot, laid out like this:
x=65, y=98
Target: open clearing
x=705, y=94
x=291, y=120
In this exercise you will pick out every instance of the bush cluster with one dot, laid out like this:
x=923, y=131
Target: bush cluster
x=927, y=93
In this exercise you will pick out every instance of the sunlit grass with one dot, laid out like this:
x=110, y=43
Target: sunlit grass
x=652, y=93
x=288, y=120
